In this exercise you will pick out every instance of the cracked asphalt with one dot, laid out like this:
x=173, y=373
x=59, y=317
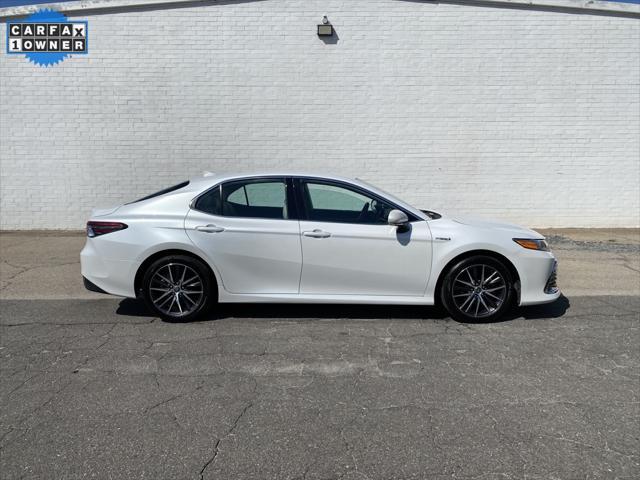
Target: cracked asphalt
x=97, y=389
x=94, y=387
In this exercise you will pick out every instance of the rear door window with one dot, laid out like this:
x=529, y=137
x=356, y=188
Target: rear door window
x=255, y=198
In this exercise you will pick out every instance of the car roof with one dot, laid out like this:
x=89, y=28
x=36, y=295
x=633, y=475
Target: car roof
x=210, y=177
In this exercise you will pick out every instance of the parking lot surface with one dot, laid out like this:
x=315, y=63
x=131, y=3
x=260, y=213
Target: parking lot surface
x=97, y=389
x=91, y=386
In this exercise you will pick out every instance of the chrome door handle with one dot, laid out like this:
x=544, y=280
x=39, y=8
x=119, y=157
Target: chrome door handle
x=211, y=228
x=317, y=233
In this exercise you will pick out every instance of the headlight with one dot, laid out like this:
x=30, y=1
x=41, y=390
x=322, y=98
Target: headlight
x=532, y=244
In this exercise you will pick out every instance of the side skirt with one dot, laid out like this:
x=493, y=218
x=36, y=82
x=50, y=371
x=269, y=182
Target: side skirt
x=225, y=297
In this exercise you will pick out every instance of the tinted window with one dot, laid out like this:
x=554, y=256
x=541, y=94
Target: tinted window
x=333, y=203
x=209, y=202
x=163, y=191
x=255, y=198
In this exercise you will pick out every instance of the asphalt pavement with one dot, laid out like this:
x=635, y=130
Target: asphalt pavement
x=95, y=387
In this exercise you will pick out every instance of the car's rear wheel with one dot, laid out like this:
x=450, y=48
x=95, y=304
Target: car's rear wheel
x=477, y=289
x=177, y=288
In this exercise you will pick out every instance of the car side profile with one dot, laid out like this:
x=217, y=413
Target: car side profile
x=308, y=239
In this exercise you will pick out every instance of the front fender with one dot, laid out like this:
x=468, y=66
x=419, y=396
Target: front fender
x=452, y=239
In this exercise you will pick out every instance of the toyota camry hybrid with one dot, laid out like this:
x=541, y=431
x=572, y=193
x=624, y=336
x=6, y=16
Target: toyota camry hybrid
x=308, y=239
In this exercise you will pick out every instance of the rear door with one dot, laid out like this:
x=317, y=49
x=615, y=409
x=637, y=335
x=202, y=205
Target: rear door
x=250, y=234
x=349, y=248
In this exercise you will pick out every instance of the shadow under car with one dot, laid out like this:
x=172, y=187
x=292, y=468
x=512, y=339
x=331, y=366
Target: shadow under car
x=137, y=308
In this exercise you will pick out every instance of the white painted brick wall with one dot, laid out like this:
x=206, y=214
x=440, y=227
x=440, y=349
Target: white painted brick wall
x=526, y=115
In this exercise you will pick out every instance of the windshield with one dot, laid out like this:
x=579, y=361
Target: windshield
x=432, y=215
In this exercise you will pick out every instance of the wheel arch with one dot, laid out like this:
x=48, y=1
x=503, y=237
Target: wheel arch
x=137, y=284
x=472, y=253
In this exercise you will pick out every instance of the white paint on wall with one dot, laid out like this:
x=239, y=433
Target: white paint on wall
x=24, y=7
x=531, y=116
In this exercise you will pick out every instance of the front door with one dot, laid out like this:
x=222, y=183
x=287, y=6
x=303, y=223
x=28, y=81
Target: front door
x=244, y=228
x=349, y=248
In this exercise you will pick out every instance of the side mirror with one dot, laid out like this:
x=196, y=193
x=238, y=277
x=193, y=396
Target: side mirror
x=397, y=218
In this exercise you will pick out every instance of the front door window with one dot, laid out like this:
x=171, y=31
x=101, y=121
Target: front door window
x=337, y=204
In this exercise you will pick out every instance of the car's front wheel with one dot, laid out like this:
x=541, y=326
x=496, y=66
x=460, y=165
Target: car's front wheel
x=478, y=288
x=177, y=288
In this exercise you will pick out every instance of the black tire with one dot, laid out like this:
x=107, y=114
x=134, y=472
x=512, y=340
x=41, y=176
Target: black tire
x=471, y=289
x=184, y=277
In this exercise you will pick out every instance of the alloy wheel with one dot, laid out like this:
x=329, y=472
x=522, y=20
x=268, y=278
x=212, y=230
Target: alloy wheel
x=479, y=290
x=176, y=289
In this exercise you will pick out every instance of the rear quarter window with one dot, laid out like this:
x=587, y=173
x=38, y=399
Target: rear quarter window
x=209, y=202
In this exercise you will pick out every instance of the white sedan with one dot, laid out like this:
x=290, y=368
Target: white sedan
x=308, y=239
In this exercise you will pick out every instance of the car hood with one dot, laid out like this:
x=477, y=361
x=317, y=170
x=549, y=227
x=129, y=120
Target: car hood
x=495, y=225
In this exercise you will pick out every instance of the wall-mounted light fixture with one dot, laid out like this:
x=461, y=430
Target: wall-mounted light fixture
x=325, y=29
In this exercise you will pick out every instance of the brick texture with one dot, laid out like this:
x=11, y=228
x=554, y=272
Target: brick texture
x=528, y=116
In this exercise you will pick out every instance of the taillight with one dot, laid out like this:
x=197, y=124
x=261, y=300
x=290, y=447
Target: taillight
x=95, y=229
